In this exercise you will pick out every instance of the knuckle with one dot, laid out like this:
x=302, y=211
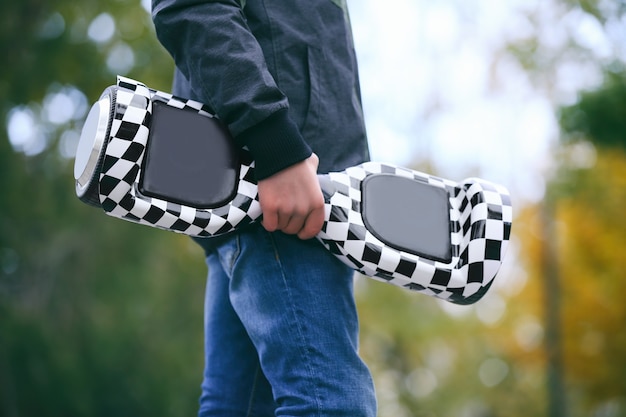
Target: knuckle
x=319, y=205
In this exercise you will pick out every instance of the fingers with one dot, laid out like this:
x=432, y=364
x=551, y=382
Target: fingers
x=313, y=224
x=305, y=224
x=277, y=212
x=270, y=220
x=293, y=224
x=287, y=222
x=292, y=201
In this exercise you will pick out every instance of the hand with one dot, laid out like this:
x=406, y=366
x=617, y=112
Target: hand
x=292, y=201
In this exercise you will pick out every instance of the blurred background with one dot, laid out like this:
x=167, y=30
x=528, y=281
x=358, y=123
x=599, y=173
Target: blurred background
x=100, y=317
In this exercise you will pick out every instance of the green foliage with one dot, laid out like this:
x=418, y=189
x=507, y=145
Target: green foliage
x=599, y=115
x=97, y=317
x=431, y=358
x=589, y=232
x=48, y=42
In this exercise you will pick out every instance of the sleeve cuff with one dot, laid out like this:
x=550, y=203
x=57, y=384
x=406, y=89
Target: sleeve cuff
x=275, y=144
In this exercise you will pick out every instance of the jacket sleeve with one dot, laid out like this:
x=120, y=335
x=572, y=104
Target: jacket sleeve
x=215, y=50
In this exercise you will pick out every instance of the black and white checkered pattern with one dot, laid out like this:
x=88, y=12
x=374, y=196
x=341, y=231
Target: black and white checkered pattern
x=480, y=212
x=480, y=224
x=119, y=179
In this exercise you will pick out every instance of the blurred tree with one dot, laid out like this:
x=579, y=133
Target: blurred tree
x=431, y=358
x=591, y=192
x=80, y=43
x=97, y=317
x=588, y=39
x=599, y=115
x=581, y=384
x=589, y=231
x=592, y=254
x=60, y=57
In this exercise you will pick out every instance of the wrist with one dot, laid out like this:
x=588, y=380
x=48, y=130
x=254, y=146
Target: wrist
x=275, y=144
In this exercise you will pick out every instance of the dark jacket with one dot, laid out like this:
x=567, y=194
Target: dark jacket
x=281, y=74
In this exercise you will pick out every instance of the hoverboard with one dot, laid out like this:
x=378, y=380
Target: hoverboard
x=155, y=159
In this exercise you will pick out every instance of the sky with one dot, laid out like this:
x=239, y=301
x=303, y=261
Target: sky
x=437, y=85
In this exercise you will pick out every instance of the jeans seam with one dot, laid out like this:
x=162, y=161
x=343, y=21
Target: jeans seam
x=235, y=255
x=305, y=350
x=251, y=402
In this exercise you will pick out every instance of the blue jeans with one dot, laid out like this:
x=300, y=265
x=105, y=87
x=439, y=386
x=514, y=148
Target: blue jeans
x=281, y=331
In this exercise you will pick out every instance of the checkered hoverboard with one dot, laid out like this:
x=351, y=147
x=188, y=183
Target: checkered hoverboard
x=480, y=212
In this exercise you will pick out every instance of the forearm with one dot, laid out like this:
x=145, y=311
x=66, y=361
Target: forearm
x=213, y=47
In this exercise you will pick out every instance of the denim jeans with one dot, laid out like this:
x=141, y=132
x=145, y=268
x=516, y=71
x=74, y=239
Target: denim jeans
x=281, y=331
